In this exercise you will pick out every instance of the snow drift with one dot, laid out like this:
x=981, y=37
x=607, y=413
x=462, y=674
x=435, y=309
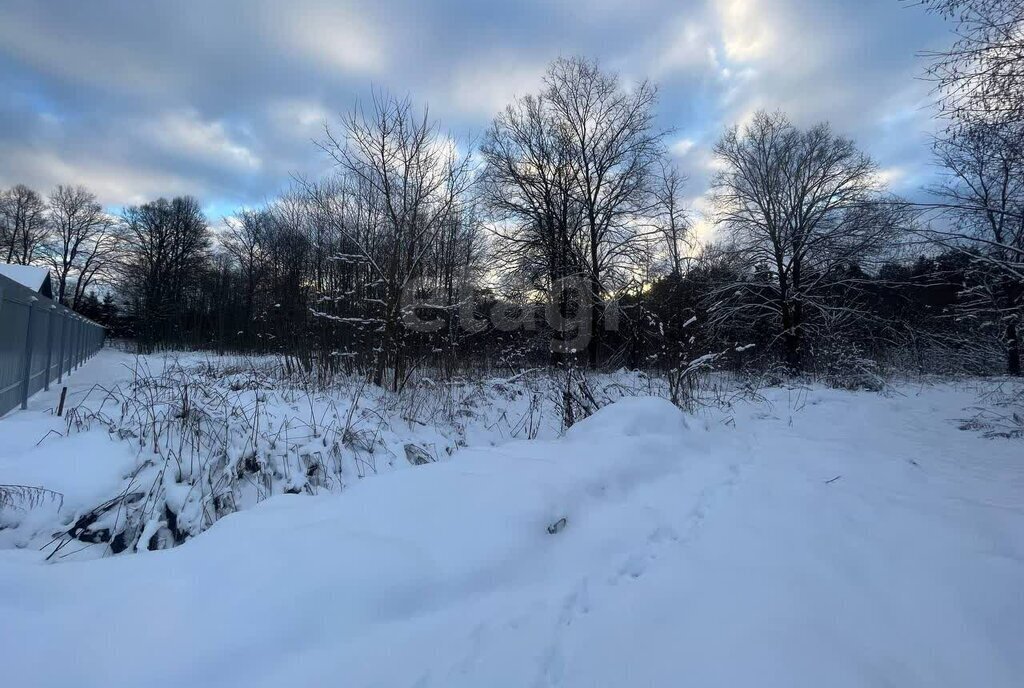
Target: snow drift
x=823, y=538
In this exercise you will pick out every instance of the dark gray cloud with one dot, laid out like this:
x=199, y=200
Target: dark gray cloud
x=222, y=99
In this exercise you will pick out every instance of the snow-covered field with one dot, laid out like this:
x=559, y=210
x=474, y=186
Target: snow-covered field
x=812, y=538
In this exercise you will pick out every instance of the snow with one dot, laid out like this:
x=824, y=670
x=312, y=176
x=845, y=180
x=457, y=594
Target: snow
x=34, y=452
x=816, y=537
x=630, y=417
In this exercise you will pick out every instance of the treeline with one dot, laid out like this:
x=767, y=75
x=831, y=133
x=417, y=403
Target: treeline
x=563, y=238
x=68, y=232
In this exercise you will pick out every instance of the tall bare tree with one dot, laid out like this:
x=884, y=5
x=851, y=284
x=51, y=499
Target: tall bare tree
x=568, y=177
x=670, y=216
x=980, y=78
x=165, y=244
x=23, y=224
x=414, y=181
x=79, y=240
x=100, y=256
x=246, y=242
x=980, y=213
x=982, y=196
x=799, y=207
x=614, y=147
x=528, y=184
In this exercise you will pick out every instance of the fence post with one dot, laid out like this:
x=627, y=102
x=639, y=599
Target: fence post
x=72, y=339
x=27, y=374
x=71, y=342
x=49, y=347
x=63, y=336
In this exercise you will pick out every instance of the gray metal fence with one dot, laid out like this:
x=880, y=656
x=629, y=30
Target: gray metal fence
x=41, y=341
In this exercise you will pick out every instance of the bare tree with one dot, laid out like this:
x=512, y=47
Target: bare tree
x=980, y=78
x=23, y=224
x=613, y=146
x=245, y=241
x=76, y=243
x=980, y=212
x=982, y=198
x=100, y=257
x=165, y=244
x=799, y=208
x=567, y=178
x=670, y=215
x=528, y=185
x=414, y=180
x=288, y=270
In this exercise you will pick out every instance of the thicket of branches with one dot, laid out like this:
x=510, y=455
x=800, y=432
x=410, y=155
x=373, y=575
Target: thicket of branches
x=563, y=239
x=979, y=82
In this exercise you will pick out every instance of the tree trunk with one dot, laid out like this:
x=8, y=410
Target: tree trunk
x=593, y=344
x=791, y=339
x=1012, y=349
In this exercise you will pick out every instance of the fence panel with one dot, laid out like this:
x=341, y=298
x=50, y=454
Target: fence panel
x=40, y=341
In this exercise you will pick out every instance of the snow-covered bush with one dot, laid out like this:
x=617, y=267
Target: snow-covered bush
x=1000, y=411
x=845, y=365
x=214, y=435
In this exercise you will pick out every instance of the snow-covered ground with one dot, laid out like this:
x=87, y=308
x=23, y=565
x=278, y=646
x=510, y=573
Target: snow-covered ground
x=815, y=538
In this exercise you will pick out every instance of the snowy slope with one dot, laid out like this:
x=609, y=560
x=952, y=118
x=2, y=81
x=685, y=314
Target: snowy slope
x=828, y=538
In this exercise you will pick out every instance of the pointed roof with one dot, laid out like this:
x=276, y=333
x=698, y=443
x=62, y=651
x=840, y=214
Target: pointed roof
x=35, y=278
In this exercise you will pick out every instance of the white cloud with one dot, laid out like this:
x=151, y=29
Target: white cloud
x=681, y=147
x=702, y=231
x=748, y=31
x=114, y=184
x=687, y=45
x=286, y=68
x=337, y=37
x=702, y=225
x=891, y=176
x=301, y=116
x=485, y=87
x=184, y=132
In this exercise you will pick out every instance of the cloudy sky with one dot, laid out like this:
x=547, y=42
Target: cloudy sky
x=222, y=99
